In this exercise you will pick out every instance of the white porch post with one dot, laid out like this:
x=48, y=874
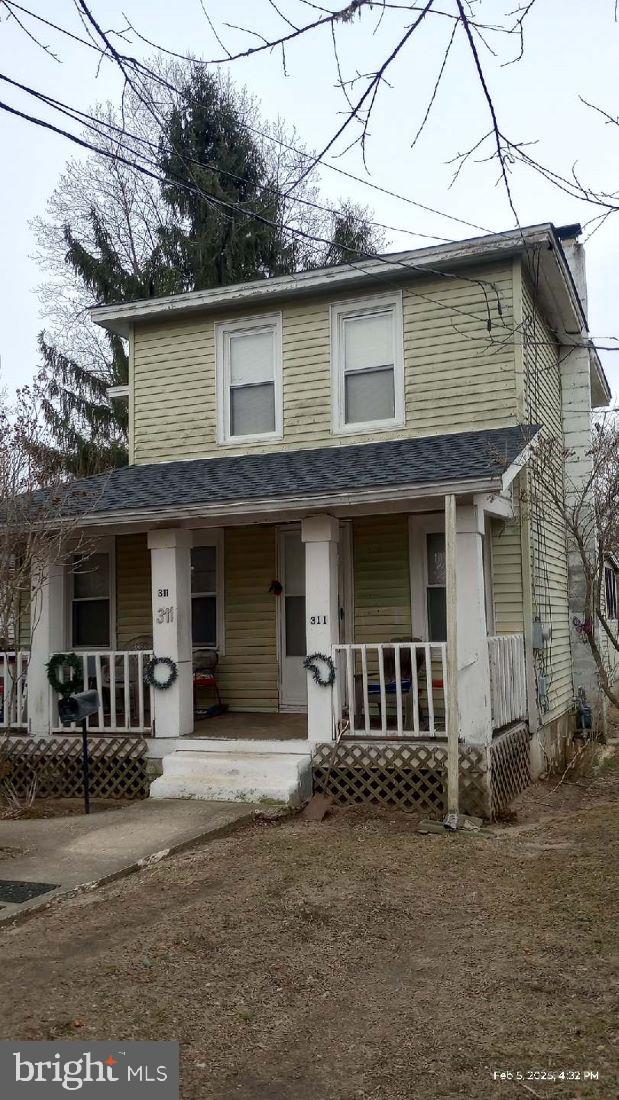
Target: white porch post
x=170, y=552
x=453, y=719
x=320, y=535
x=47, y=610
x=472, y=630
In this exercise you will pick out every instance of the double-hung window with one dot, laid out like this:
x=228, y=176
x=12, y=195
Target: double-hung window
x=249, y=379
x=611, y=587
x=436, y=591
x=207, y=594
x=367, y=359
x=90, y=611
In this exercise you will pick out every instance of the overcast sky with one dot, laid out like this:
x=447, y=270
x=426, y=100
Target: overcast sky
x=571, y=50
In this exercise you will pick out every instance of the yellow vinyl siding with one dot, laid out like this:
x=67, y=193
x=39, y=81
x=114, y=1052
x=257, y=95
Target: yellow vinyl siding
x=381, y=579
x=457, y=374
x=507, y=577
x=248, y=673
x=542, y=404
x=133, y=590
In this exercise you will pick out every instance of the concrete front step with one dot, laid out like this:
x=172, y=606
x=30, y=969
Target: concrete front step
x=237, y=773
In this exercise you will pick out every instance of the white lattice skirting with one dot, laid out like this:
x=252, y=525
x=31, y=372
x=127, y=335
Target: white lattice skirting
x=413, y=776
x=52, y=767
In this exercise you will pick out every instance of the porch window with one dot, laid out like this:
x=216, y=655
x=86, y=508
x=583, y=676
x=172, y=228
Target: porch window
x=610, y=584
x=249, y=379
x=91, y=601
x=436, y=591
x=204, y=596
x=368, y=364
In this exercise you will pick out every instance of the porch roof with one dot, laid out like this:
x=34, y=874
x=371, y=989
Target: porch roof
x=474, y=461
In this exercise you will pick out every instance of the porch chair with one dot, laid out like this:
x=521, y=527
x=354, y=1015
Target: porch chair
x=406, y=682
x=205, y=663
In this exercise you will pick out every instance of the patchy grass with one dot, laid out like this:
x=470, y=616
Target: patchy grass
x=55, y=807
x=351, y=958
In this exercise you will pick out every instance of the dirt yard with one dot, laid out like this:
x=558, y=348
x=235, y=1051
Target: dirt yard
x=352, y=958
x=55, y=807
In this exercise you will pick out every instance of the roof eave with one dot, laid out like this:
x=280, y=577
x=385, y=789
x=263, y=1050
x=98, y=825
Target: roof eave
x=301, y=503
x=410, y=264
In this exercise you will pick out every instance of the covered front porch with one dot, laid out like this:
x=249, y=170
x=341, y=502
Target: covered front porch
x=350, y=617
x=366, y=595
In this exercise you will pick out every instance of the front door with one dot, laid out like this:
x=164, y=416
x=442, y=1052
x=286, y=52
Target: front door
x=293, y=677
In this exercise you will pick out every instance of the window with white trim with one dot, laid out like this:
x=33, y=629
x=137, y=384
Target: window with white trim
x=207, y=594
x=610, y=585
x=436, y=591
x=368, y=366
x=249, y=379
x=91, y=599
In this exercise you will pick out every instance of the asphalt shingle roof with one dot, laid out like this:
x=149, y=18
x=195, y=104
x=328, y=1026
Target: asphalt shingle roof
x=461, y=456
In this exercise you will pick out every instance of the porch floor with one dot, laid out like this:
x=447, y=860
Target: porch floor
x=252, y=726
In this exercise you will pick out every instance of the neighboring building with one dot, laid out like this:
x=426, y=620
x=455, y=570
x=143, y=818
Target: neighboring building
x=292, y=443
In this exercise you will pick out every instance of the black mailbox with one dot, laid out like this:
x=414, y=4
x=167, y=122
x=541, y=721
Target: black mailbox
x=78, y=707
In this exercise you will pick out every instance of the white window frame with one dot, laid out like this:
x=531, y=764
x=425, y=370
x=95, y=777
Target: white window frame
x=213, y=537
x=363, y=307
x=105, y=546
x=608, y=568
x=223, y=331
x=418, y=527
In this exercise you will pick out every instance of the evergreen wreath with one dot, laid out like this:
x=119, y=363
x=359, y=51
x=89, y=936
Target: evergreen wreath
x=151, y=679
x=65, y=688
x=310, y=664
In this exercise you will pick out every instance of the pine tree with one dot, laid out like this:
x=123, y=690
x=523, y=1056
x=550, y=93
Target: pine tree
x=113, y=235
x=205, y=149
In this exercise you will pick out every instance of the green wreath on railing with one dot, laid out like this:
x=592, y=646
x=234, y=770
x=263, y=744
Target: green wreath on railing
x=65, y=660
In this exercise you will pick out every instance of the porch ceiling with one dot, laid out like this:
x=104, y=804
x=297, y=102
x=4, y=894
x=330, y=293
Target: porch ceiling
x=460, y=462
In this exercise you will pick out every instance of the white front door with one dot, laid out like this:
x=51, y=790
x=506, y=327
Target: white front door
x=293, y=677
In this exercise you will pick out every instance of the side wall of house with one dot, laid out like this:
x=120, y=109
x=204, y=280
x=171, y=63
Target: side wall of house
x=507, y=588
x=458, y=374
x=547, y=537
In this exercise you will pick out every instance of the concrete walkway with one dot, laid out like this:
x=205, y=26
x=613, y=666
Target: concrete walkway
x=74, y=853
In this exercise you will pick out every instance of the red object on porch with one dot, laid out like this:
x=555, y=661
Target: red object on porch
x=204, y=665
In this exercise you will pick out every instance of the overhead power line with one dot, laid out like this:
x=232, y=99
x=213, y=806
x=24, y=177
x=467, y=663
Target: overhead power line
x=158, y=78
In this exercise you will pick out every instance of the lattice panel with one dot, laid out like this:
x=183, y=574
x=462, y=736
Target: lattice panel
x=408, y=777
x=510, y=767
x=118, y=767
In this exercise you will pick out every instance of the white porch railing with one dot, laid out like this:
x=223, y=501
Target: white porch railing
x=508, y=679
x=13, y=690
x=390, y=689
x=125, y=702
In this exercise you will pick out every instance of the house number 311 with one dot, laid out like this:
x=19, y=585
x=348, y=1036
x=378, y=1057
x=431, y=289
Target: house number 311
x=318, y=620
x=165, y=615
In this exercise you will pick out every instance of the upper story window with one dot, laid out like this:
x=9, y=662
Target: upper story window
x=249, y=390
x=367, y=364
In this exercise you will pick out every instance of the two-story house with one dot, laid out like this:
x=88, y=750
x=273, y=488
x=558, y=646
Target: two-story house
x=332, y=463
